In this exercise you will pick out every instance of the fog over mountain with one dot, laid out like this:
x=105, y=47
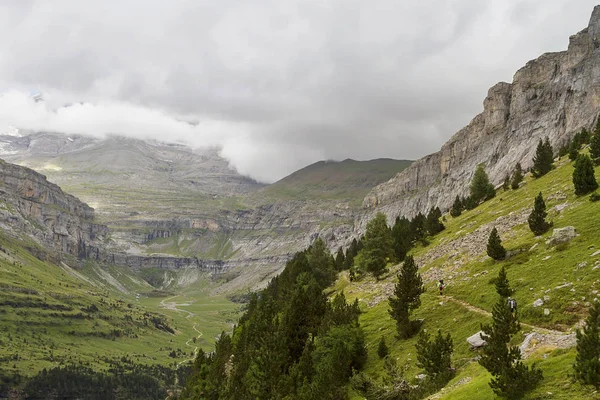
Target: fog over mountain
x=276, y=85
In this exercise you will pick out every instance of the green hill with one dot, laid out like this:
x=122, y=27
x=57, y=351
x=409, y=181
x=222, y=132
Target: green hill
x=565, y=277
x=347, y=180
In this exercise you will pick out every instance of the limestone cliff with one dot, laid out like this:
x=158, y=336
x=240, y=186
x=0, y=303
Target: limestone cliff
x=553, y=96
x=31, y=205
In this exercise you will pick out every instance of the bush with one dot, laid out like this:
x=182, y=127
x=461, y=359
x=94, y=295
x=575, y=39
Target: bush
x=595, y=196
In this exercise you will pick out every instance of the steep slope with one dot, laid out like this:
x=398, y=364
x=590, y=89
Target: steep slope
x=565, y=279
x=553, y=96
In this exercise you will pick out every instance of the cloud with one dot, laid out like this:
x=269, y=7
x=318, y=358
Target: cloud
x=275, y=84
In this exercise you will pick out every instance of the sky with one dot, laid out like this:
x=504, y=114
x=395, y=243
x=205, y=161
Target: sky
x=275, y=84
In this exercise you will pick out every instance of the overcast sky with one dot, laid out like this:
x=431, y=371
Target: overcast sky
x=277, y=84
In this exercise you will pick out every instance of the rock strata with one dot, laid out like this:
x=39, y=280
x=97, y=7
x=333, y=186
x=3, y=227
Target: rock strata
x=552, y=96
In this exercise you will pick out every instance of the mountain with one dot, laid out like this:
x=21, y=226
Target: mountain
x=171, y=207
x=552, y=96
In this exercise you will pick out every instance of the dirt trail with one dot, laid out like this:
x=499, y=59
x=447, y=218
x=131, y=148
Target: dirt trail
x=169, y=305
x=533, y=340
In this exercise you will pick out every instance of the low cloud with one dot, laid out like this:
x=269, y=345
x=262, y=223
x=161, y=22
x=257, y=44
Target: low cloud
x=276, y=85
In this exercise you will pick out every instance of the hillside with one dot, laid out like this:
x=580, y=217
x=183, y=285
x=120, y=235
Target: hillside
x=566, y=279
x=346, y=180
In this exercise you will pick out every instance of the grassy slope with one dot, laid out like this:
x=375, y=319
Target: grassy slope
x=533, y=273
x=347, y=180
x=44, y=322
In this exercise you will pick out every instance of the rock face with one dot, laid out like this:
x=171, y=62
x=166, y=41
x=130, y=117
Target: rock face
x=30, y=204
x=553, y=96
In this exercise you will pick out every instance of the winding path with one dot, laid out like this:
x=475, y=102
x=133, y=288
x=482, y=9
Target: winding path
x=165, y=303
x=539, y=335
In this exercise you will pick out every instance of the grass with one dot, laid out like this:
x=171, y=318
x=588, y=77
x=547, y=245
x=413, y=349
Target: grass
x=55, y=315
x=564, y=274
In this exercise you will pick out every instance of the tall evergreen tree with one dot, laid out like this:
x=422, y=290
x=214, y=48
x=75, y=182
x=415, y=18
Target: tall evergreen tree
x=402, y=237
x=583, y=176
x=494, y=246
x=351, y=252
x=418, y=230
x=457, y=207
x=502, y=284
x=543, y=159
x=587, y=362
x=407, y=297
x=340, y=259
x=506, y=183
x=537, y=218
x=382, y=348
x=481, y=188
x=511, y=378
x=434, y=356
x=595, y=147
x=432, y=223
x=573, y=150
x=378, y=246
x=517, y=177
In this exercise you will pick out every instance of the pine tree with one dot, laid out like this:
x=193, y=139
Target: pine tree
x=506, y=183
x=434, y=356
x=351, y=252
x=502, y=284
x=457, y=207
x=511, y=378
x=517, y=177
x=340, y=259
x=587, y=362
x=377, y=248
x=583, y=176
x=417, y=228
x=382, y=349
x=543, y=159
x=481, y=188
x=433, y=224
x=402, y=237
x=407, y=297
x=494, y=246
x=573, y=150
x=595, y=147
x=537, y=218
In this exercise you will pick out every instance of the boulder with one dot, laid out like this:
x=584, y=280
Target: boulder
x=561, y=235
x=538, y=303
x=476, y=341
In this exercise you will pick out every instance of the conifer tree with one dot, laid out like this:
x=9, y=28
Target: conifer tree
x=583, y=175
x=517, y=177
x=402, y=237
x=377, y=248
x=417, y=228
x=407, y=297
x=494, y=246
x=587, y=361
x=351, y=252
x=434, y=356
x=502, y=284
x=382, y=349
x=506, y=183
x=457, y=207
x=511, y=378
x=432, y=223
x=543, y=159
x=595, y=147
x=537, y=218
x=573, y=151
x=340, y=259
x=481, y=188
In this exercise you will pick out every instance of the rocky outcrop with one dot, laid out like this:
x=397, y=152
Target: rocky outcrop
x=31, y=205
x=553, y=96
